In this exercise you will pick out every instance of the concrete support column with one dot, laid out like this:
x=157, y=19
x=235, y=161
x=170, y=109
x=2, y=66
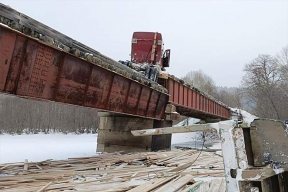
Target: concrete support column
x=161, y=142
x=114, y=134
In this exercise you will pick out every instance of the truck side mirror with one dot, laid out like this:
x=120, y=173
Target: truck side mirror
x=166, y=58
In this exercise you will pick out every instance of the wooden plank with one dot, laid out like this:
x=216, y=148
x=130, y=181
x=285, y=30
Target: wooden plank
x=44, y=187
x=170, y=130
x=153, y=184
x=204, y=187
x=193, y=186
x=216, y=185
x=176, y=184
x=121, y=166
x=4, y=167
x=26, y=165
x=38, y=166
x=222, y=187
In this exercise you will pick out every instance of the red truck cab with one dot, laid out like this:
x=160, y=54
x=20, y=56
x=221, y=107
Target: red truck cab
x=147, y=47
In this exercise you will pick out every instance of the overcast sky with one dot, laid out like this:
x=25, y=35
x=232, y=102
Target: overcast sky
x=217, y=37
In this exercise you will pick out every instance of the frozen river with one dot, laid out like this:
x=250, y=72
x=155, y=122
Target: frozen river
x=39, y=147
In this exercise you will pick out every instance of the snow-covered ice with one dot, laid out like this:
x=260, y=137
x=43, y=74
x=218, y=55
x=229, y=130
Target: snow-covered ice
x=56, y=146
x=39, y=147
x=184, y=137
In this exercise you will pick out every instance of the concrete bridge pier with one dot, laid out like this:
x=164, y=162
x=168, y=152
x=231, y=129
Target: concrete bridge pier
x=114, y=134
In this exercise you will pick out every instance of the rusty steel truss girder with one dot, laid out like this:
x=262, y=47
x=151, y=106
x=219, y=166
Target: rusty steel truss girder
x=30, y=68
x=192, y=102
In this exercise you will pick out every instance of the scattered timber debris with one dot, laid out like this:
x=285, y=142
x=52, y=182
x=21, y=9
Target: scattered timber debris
x=164, y=171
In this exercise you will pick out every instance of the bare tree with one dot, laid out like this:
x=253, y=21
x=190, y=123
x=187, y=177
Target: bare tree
x=232, y=98
x=201, y=81
x=261, y=85
x=283, y=56
x=283, y=61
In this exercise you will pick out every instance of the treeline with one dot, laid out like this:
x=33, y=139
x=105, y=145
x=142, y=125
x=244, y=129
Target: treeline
x=263, y=90
x=20, y=115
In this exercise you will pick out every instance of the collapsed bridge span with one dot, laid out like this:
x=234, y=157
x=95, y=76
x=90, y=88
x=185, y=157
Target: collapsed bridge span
x=38, y=62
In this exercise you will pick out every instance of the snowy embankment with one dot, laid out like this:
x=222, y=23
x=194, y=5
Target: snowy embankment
x=247, y=117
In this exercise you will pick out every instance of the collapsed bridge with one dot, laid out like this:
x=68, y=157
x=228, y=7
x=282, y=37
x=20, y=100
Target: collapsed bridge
x=37, y=62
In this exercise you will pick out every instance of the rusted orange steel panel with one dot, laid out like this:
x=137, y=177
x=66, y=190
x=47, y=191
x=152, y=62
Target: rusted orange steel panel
x=30, y=68
x=194, y=103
